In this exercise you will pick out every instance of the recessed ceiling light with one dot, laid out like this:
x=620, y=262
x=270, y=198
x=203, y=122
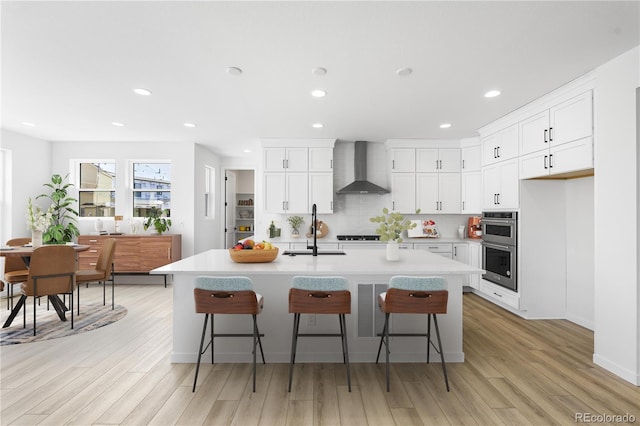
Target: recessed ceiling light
x=118, y=124
x=317, y=125
x=319, y=71
x=246, y=150
x=142, y=92
x=492, y=94
x=189, y=125
x=404, y=71
x=26, y=123
x=234, y=70
x=445, y=125
x=318, y=93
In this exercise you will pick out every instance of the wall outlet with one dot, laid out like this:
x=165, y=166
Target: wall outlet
x=311, y=320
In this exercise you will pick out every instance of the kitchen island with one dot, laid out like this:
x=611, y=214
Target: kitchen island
x=368, y=273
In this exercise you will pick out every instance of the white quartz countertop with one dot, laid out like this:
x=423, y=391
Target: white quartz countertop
x=354, y=262
x=330, y=240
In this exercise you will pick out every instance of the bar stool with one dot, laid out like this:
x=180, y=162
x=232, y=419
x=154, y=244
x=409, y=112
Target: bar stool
x=227, y=295
x=414, y=295
x=319, y=295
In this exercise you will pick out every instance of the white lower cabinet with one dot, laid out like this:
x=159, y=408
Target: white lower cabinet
x=442, y=249
x=475, y=259
x=500, y=294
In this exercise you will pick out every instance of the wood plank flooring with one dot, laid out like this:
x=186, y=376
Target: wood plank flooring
x=516, y=372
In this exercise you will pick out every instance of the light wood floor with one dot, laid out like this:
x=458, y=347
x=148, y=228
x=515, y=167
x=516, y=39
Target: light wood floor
x=516, y=372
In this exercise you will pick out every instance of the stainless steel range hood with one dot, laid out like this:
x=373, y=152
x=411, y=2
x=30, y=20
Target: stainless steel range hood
x=361, y=185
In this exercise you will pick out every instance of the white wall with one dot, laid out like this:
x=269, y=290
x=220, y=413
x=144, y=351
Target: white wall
x=30, y=169
x=616, y=309
x=207, y=235
x=580, y=251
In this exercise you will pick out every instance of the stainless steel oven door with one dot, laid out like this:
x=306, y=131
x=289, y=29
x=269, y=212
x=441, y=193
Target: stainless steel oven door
x=501, y=231
x=500, y=263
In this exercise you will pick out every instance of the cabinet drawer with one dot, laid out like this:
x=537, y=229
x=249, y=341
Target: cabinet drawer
x=498, y=293
x=435, y=248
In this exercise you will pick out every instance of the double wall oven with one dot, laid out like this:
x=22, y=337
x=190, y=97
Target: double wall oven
x=499, y=248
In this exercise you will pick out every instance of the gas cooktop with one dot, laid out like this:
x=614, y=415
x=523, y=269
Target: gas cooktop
x=358, y=237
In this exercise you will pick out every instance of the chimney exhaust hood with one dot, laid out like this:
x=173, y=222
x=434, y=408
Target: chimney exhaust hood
x=361, y=185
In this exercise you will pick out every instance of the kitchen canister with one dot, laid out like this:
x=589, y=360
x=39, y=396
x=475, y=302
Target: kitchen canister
x=461, y=231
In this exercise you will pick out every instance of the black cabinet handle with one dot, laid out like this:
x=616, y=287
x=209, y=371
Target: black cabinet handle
x=550, y=134
x=545, y=136
x=545, y=162
x=550, y=164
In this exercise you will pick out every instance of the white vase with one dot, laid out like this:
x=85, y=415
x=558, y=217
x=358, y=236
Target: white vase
x=36, y=238
x=393, y=251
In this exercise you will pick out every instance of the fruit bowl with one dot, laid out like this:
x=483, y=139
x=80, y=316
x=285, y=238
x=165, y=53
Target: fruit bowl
x=253, y=256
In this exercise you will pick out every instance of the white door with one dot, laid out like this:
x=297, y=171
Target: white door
x=230, y=208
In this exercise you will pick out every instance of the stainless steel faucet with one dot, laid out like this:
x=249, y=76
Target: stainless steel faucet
x=314, y=230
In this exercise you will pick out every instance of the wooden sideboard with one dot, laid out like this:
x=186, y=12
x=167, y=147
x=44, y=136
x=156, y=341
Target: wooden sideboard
x=134, y=253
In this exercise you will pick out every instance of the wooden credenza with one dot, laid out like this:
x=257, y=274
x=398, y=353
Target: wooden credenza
x=134, y=253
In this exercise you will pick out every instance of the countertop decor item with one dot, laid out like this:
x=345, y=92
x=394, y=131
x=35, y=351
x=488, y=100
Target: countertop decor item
x=155, y=218
x=64, y=217
x=392, y=225
x=254, y=256
x=295, y=222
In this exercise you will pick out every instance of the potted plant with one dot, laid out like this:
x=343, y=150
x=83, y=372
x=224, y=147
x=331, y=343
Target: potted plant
x=155, y=218
x=392, y=225
x=64, y=217
x=38, y=222
x=295, y=222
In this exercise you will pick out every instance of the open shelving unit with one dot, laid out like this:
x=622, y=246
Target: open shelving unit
x=244, y=215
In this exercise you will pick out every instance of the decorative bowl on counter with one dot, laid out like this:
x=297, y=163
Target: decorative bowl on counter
x=253, y=256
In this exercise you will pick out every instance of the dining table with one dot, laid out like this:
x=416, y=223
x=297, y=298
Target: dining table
x=25, y=253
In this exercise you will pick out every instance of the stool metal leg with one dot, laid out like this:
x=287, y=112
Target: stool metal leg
x=345, y=347
x=444, y=369
x=386, y=344
x=384, y=330
x=255, y=320
x=294, y=344
x=255, y=344
x=204, y=332
x=429, y=337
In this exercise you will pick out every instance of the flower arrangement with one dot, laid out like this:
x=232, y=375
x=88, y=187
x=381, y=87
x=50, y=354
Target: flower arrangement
x=392, y=225
x=37, y=220
x=295, y=222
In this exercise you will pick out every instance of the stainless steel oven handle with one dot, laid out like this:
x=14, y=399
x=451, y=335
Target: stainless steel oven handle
x=492, y=245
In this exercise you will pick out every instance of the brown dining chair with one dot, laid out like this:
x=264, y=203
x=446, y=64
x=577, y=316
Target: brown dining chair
x=15, y=270
x=102, y=273
x=51, y=272
x=414, y=295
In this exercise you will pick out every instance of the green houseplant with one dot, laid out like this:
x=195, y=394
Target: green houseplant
x=63, y=216
x=155, y=218
x=392, y=225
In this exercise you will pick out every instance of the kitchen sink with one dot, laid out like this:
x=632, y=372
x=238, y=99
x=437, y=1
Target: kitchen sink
x=310, y=252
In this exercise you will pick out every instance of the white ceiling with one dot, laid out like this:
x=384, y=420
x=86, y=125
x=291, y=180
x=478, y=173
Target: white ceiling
x=70, y=67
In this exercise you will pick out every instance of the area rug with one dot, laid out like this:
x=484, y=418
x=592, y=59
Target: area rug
x=49, y=326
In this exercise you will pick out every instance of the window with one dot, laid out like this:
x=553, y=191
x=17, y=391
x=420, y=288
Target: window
x=151, y=188
x=96, y=192
x=209, y=192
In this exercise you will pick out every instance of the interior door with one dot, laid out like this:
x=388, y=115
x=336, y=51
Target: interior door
x=230, y=207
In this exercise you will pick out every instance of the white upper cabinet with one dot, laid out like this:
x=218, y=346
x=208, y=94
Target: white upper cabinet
x=471, y=192
x=321, y=160
x=470, y=156
x=440, y=160
x=321, y=191
x=501, y=186
x=403, y=160
x=403, y=192
x=289, y=159
x=500, y=146
x=566, y=122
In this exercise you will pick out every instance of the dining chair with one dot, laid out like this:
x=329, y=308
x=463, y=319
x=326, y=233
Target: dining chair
x=414, y=295
x=15, y=270
x=51, y=272
x=102, y=272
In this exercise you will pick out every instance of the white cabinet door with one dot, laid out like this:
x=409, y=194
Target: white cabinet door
x=489, y=145
x=403, y=192
x=321, y=192
x=572, y=119
x=569, y=157
x=403, y=160
x=449, y=192
x=500, y=146
x=320, y=159
x=297, y=193
x=471, y=193
x=274, y=193
x=471, y=156
x=490, y=186
x=475, y=260
x=534, y=133
x=509, y=193
x=297, y=159
x=534, y=165
x=427, y=193
x=427, y=160
x=450, y=161
x=274, y=159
